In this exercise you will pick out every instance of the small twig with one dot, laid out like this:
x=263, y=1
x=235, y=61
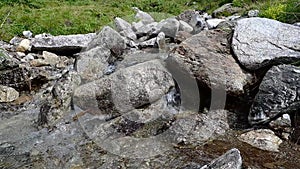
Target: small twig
x=78, y=115
x=5, y=19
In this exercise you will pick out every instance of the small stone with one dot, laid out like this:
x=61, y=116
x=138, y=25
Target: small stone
x=148, y=43
x=21, y=54
x=29, y=57
x=297, y=24
x=50, y=58
x=27, y=34
x=15, y=40
x=264, y=139
x=232, y=18
x=253, y=13
x=43, y=35
x=213, y=23
x=8, y=94
x=143, y=16
x=107, y=38
x=161, y=42
x=281, y=122
x=38, y=63
x=24, y=45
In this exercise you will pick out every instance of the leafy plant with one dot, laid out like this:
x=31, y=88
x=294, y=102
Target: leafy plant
x=274, y=12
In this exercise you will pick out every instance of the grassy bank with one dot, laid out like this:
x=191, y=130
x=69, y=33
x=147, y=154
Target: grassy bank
x=77, y=16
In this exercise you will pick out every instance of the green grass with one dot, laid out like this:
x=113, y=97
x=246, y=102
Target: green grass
x=77, y=16
x=283, y=10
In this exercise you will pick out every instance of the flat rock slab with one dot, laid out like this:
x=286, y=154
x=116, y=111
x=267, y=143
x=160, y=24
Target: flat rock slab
x=279, y=93
x=258, y=42
x=207, y=56
x=62, y=43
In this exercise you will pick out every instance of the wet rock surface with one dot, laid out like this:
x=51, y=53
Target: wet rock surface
x=126, y=102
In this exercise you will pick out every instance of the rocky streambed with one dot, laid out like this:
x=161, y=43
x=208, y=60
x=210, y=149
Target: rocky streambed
x=190, y=91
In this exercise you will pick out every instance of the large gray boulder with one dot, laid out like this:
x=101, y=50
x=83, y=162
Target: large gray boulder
x=62, y=43
x=125, y=90
x=107, y=38
x=207, y=56
x=279, y=93
x=124, y=28
x=258, y=42
x=92, y=64
x=104, y=50
x=169, y=26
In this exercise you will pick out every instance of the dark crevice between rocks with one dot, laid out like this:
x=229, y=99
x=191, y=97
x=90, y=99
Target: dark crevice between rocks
x=295, y=136
x=37, y=83
x=205, y=96
x=239, y=108
x=69, y=51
